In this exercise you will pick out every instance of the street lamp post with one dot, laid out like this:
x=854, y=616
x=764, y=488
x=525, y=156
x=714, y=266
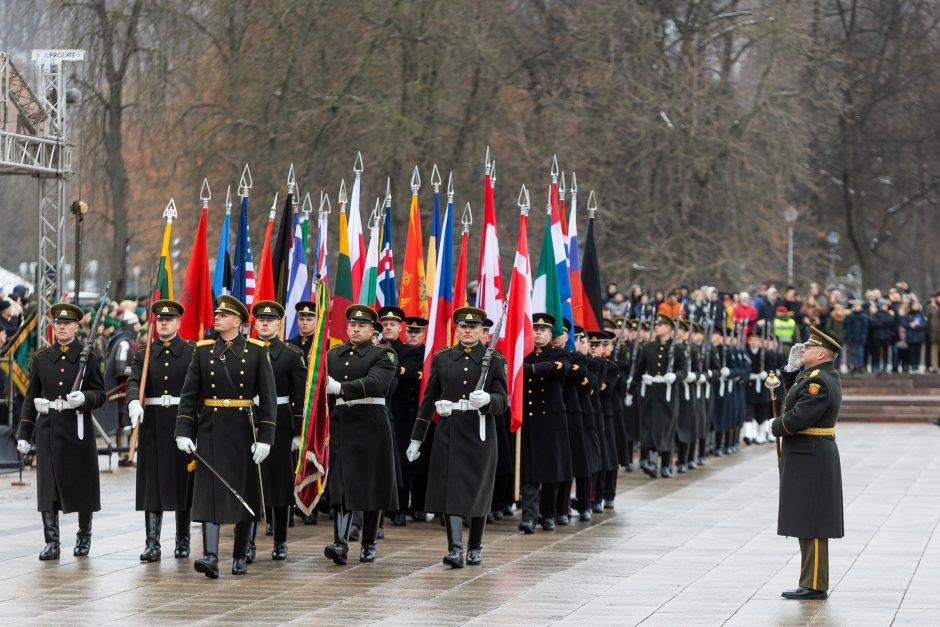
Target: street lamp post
x=790, y=215
x=832, y=239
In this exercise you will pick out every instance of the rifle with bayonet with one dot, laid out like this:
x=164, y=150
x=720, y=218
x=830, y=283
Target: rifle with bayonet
x=487, y=358
x=628, y=400
x=86, y=352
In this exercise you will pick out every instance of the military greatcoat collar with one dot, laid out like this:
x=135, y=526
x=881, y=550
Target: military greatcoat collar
x=70, y=352
x=475, y=352
x=236, y=345
x=174, y=346
x=274, y=346
x=808, y=372
x=359, y=349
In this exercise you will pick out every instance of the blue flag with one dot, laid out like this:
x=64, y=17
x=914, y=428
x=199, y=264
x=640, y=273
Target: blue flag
x=222, y=277
x=243, y=267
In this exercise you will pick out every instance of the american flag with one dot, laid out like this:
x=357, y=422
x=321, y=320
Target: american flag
x=243, y=267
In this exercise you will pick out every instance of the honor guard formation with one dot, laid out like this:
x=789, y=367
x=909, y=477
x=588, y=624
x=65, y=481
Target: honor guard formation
x=218, y=426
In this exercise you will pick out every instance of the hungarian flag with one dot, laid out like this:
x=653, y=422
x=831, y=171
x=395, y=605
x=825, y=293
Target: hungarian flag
x=342, y=288
x=222, y=276
x=370, y=270
x=489, y=278
x=19, y=351
x=313, y=462
x=460, y=280
x=559, y=246
x=243, y=267
x=196, y=295
x=283, y=248
x=440, y=321
x=518, y=324
x=414, y=298
x=387, y=293
x=356, y=244
x=546, y=295
x=574, y=264
x=591, y=279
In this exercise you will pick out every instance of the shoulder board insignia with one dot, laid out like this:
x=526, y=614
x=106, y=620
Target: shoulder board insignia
x=814, y=372
x=441, y=350
x=814, y=388
x=293, y=347
x=205, y=342
x=189, y=343
x=256, y=341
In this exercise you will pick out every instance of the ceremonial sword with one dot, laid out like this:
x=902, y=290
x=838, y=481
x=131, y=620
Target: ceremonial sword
x=224, y=482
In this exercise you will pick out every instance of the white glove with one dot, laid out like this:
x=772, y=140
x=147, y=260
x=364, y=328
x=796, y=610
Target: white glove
x=260, y=450
x=669, y=378
x=41, y=405
x=647, y=379
x=295, y=443
x=333, y=386
x=702, y=378
x=413, y=451
x=136, y=411
x=444, y=408
x=795, y=360
x=628, y=400
x=22, y=446
x=75, y=399
x=763, y=375
x=754, y=376
x=725, y=372
x=691, y=377
x=185, y=444
x=479, y=398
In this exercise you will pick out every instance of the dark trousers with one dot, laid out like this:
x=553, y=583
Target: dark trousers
x=547, y=496
x=584, y=491
x=881, y=355
x=563, y=499
x=503, y=495
x=683, y=453
x=600, y=481
x=913, y=354
x=529, y=494
x=610, y=485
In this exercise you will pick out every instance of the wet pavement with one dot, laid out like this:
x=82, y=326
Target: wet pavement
x=699, y=549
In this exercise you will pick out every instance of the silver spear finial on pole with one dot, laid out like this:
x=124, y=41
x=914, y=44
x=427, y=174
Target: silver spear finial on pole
x=486, y=162
x=388, y=192
x=291, y=180
x=592, y=205
x=273, y=211
x=170, y=212
x=436, y=179
x=342, y=198
x=357, y=166
x=561, y=186
x=493, y=173
x=555, y=169
x=415, y=181
x=228, y=200
x=523, y=201
x=466, y=219
x=245, y=183
x=450, y=187
x=205, y=194
x=307, y=206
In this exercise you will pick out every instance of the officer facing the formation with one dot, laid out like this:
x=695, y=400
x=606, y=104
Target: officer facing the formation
x=810, y=471
x=306, y=325
x=60, y=422
x=164, y=480
x=362, y=457
x=216, y=407
x=463, y=458
x=545, y=463
x=290, y=379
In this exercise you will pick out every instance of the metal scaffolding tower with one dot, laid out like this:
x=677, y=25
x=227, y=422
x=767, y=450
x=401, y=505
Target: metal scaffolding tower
x=34, y=141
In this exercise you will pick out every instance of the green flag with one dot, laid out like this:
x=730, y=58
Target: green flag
x=546, y=296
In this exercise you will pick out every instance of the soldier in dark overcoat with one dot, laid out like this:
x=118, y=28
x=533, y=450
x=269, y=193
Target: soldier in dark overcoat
x=598, y=366
x=810, y=470
x=659, y=366
x=545, y=462
x=362, y=449
x=290, y=379
x=164, y=479
x=232, y=433
x=60, y=422
x=463, y=457
x=685, y=427
x=575, y=380
x=584, y=477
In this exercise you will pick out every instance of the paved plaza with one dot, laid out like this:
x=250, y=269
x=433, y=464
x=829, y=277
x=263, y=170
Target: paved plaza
x=700, y=549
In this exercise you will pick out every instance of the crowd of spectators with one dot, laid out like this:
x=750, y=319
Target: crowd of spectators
x=881, y=331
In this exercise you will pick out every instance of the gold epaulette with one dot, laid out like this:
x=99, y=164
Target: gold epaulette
x=814, y=372
x=256, y=341
x=205, y=342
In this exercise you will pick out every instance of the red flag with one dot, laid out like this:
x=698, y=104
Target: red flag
x=196, y=295
x=490, y=278
x=518, y=325
x=460, y=280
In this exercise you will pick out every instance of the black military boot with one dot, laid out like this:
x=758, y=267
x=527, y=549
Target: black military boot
x=454, y=557
x=269, y=521
x=475, y=543
x=208, y=565
x=153, y=521
x=370, y=530
x=281, y=517
x=50, y=529
x=355, y=526
x=83, y=537
x=338, y=551
x=240, y=547
x=182, y=534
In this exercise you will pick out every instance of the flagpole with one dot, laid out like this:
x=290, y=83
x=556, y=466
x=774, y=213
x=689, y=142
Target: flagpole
x=524, y=203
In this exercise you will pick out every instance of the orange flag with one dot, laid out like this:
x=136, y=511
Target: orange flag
x=413, y=298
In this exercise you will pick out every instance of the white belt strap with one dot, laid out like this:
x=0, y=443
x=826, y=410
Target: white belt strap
x=463, y=405
x=163, y=401
x=361, y=401
x=60, y=404
x=281, y=400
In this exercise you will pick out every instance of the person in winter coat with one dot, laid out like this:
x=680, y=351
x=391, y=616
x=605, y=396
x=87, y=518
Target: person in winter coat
x=881, y=332
x=856, y=335
x=835, y=328
x=915, y=330
x=933, y=331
